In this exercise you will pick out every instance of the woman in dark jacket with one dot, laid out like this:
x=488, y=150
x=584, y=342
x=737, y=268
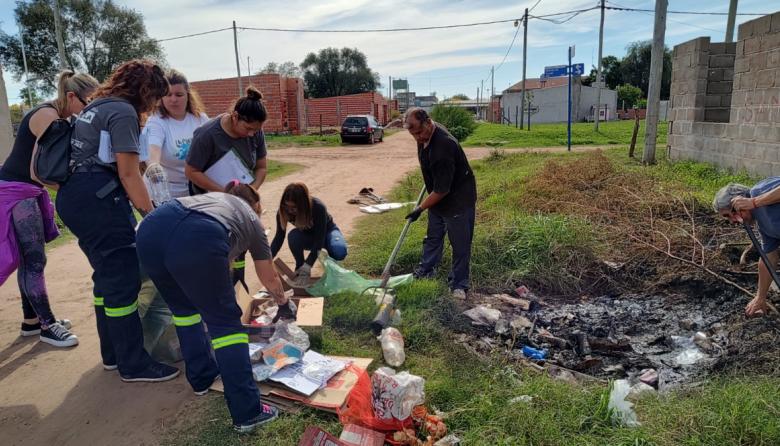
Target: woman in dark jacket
x=95, y=204
x=313, y=230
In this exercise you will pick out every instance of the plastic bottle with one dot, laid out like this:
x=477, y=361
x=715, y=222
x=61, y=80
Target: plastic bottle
x=157, y=182
x=533, y=353
x=392, y=346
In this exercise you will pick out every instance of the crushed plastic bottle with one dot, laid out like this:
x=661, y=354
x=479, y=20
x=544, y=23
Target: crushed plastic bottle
x=157, y=183
x=392, y=346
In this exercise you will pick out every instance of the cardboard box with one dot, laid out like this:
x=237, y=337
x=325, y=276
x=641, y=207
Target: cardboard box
x=287, y=276
x=309, y=308
x=354, y=435
x=314, y=436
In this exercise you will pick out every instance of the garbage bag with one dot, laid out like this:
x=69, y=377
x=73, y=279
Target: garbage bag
x=396, y=394
x=622, y=409
x=337, y=279
x=359, y=409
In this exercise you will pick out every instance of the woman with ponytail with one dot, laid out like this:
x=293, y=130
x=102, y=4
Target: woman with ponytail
x=239, y=131
x=26, y=213
x=187, y=246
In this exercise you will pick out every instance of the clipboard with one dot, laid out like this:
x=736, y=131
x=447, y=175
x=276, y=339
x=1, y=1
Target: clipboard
x=228, y=168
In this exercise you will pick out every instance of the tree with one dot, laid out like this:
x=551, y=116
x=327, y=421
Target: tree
x=459, y=97
x=458, y=120
x=635, y=67
x=286, y=69
x=98, y=36
x=610, y=71
x=628, y=95
x=36, y=98
x=334, y=72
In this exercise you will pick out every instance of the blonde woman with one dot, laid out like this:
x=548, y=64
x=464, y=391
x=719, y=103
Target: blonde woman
x=26, y=213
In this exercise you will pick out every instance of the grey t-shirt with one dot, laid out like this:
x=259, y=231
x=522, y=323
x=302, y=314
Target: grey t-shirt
x=210, y=142
x=243, y=224
x=106, y=126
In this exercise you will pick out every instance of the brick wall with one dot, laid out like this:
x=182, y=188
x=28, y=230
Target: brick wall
x=750, y=138
x=283, y=99
x=334, y=109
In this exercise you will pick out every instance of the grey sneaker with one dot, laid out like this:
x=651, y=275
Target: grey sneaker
x=268, y=414
x=459, y=294
x=59, y=336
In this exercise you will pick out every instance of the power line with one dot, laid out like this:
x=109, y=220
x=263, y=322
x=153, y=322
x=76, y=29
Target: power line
x=672, y=20
x=535, y=5
x=622, y=8
x=379, y=30
x=193, y=35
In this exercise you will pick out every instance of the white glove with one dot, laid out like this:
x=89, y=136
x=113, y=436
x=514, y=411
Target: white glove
x=302, y=275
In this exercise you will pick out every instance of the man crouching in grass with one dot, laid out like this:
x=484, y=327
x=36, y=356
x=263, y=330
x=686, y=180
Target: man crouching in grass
x=761, y=203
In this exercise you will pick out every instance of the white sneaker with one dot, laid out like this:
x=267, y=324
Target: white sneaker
x=459, y=294
x=59, y=336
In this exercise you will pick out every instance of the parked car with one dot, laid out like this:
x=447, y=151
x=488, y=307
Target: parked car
x=361, y=128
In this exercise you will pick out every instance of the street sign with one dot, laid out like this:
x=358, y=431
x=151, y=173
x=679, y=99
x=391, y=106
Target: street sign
x=400, y=84
x=577, y=69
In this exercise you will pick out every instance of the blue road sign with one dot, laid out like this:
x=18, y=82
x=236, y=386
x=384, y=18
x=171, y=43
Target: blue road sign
x=577, y=69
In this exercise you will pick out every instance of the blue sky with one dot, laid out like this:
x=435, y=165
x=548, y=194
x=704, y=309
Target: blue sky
x=445, y=61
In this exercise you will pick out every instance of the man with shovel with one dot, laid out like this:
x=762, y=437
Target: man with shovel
x=451, y=202
x=761, y=203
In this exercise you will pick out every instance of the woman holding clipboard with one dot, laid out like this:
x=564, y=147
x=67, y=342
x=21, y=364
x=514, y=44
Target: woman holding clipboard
x=232, y=145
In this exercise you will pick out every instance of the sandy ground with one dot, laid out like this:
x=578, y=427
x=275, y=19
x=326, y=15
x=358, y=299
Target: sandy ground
x=64, y=397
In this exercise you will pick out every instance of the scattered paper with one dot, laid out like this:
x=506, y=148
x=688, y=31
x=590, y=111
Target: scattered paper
x=383, y=207
x=309, y=374
x=281, y=354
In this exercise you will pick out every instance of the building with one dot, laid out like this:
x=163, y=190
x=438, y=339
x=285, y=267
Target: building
x=548, y=98
x=426, y=102
x=725, y=99
x=405, y=100
x=331, y=111
x=283, y=98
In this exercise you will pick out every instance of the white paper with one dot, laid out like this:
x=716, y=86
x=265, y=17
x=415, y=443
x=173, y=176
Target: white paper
x=310, y=374
x=229, y=168
x=106, y=155
x=383, y=207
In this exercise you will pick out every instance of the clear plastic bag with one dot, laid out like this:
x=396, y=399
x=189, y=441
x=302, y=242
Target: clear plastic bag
x=622, y=409
x=291, y=332
x=394, y=395
x=392, y=346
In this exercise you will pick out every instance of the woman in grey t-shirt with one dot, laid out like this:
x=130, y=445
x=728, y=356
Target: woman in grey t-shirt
x=186, y=246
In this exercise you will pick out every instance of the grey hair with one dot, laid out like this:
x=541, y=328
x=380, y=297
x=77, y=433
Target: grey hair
x=727, y=193
x=418, y=113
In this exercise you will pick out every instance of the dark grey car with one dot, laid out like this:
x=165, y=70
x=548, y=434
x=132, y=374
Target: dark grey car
x=362, y=128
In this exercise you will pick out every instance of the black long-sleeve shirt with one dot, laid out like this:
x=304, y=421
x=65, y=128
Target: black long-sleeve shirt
x=446, y=170
x=322, y=223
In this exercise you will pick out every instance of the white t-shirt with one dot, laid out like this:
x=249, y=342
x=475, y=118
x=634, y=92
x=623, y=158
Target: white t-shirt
x=174, y=137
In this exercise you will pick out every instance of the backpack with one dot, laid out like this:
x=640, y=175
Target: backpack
x=52, y=159
x=52, y=162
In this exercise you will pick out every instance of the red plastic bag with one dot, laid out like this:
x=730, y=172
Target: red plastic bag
x=359, y=410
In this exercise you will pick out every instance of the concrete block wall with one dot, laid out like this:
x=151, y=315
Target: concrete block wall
x=750, y=139
x=280, y=96
x=720, y=80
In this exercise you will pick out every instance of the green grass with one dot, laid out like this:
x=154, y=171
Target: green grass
x=284, y=141
x=510, y=243
x=277, y=169
x=550, y=135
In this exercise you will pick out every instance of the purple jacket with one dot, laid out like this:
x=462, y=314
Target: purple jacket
x=11, y=193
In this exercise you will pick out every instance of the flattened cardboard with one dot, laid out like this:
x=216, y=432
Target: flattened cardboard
x=287, y=276
x=315, y=436
x=329, y=399
x=309, y=308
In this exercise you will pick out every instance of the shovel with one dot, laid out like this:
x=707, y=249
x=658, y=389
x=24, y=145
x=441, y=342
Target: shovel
x=387, y=301
x=768, y=265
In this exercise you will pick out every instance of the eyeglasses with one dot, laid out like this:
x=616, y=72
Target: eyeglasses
x=83, y=102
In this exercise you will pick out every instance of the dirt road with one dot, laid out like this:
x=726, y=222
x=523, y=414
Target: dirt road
x=64, y=397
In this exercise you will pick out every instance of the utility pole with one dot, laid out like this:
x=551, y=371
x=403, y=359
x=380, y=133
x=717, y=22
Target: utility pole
x=525, y=46
x=654, y=89
x=481, y=97
x=598, y=70
x=6, y=130
x=24, y=61
x=238, y=65
x=477, y=102
x=730, y=23
x=492, y=93
x=568, y=123
x=58, y=34
x=248, y=70
x=389, y=86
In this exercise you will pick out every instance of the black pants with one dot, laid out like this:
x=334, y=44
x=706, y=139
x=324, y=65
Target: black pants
x=105, y=228
x=459, y=229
